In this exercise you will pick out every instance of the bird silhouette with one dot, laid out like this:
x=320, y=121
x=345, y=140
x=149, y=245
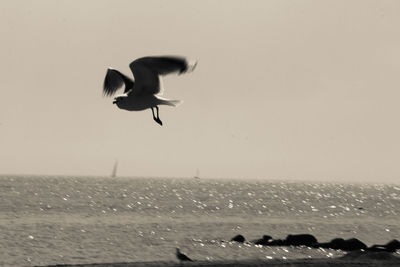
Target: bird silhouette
x=144, y=92
x=182, y=257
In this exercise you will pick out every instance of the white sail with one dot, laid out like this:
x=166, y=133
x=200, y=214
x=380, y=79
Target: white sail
x=197, y=176
x=114, y=171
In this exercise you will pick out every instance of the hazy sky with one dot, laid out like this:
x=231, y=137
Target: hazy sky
x=283, y=89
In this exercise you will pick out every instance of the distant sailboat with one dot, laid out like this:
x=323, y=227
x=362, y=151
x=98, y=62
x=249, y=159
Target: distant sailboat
x=197, y=176
x=114, y=171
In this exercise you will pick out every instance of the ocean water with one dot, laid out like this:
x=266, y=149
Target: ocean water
x=65, y=220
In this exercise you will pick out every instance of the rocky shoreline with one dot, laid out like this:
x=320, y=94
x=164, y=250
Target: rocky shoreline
x=352, y=259
x=358, y=254
x=308, y=240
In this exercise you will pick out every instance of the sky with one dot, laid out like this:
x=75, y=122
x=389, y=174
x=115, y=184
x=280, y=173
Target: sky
x=295, y=90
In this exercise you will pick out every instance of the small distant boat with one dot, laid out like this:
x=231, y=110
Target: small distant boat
x=114, y=171
x=197, y=176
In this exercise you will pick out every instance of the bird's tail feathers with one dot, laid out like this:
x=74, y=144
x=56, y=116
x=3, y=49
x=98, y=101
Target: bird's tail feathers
x=173, y=103
x=168, y=102
x=191, y=65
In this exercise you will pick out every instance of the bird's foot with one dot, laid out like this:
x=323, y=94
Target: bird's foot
x=158, y=121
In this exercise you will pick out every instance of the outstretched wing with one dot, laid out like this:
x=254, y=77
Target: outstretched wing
x=115, y=80
x=147, y=72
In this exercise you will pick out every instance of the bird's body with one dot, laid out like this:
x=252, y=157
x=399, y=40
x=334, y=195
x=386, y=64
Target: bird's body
x=143, y=102
x=182, y=257
x=144, y=92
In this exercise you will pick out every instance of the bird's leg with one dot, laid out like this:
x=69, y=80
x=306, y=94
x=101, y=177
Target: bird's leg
x=158, y=116
x=157, y=119
x=152, y=111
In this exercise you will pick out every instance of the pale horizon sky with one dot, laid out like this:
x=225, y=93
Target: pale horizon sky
x=297, y=90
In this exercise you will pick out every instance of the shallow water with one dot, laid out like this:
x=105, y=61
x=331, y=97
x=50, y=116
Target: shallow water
x=55, y=220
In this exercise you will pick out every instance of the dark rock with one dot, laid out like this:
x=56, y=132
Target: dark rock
x=353, y=244
x=300, y=240
x=391, y=246
x=238, y=238
x=276, y=242
x=339, y=243
x=321, y=245
x=263, y=241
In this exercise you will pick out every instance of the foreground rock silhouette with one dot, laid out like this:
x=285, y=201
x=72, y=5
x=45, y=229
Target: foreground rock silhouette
x=350, y=244
x=300, y=240
x=339, y=243
x=391, y=246
x=238, y=238
x=291, y=240
x=263, y=241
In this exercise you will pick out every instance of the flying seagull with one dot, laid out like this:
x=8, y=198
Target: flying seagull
x=181, y=257
x=144, y=91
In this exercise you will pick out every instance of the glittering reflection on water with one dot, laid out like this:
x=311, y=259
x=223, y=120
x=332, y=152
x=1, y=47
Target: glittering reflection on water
x=163, y=196
x=47, y=220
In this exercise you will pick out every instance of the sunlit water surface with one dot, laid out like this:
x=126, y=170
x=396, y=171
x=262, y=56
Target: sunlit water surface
x=60, y=220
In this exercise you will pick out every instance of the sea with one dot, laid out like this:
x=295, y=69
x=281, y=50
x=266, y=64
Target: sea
x=48, y=220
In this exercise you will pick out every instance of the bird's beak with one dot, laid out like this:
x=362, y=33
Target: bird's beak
x=115, y=102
